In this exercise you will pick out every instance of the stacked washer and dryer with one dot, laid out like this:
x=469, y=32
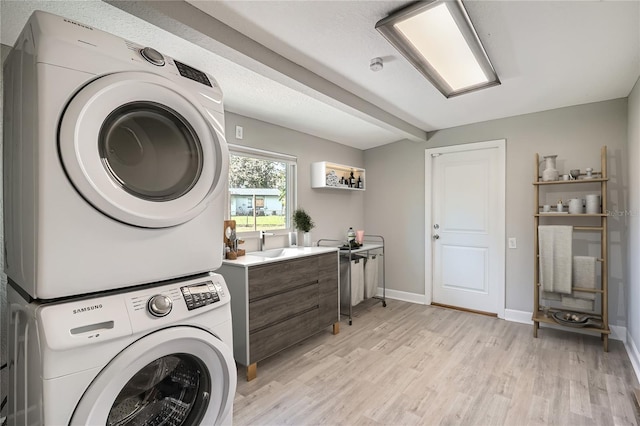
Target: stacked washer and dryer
x=115, y=170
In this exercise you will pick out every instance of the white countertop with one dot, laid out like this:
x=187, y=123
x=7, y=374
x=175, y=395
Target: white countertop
x=254, y=258
x=363, y=248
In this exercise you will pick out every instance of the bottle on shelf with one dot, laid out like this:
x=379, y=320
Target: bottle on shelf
x=352, y=180
x=359, y=184
x=351, y=237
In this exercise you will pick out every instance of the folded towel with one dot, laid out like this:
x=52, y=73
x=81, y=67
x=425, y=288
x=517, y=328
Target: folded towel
x=584, y=276
x=554, y=242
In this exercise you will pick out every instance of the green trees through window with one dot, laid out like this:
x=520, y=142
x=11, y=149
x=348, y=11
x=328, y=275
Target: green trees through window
x=260, y=191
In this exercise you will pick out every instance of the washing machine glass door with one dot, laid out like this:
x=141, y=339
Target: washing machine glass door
x=142, y=149
x=176, y=376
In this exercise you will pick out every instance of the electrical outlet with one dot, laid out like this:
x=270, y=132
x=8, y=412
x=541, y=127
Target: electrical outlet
x=512, y=243
x=239, y=132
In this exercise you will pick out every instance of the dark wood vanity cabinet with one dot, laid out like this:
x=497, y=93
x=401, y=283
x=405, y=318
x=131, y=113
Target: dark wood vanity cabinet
x=328, y=290
x=278, y=304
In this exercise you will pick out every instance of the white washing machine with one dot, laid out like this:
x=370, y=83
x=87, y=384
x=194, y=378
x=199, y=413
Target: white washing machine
x=154, y=356
x=115, y=163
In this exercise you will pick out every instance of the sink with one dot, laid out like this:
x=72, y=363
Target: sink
x=279, y=252
x=269, y=253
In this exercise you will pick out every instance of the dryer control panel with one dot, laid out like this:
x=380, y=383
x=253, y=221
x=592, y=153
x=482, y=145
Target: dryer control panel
x=201, y=294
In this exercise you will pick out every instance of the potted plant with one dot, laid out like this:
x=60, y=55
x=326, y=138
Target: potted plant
x=303, y=222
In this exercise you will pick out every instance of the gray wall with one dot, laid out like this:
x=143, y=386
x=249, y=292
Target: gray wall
x=395, y=175
x=332, y=210
x=633, y=301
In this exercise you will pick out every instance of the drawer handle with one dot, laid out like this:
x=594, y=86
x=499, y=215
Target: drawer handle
x=297, y=314
x=287, y=290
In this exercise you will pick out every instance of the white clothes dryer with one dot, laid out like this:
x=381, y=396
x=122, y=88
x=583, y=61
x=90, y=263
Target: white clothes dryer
x=115, y=163
x=154, y=356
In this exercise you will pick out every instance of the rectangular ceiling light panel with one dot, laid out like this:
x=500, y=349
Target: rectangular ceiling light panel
x=438, y=38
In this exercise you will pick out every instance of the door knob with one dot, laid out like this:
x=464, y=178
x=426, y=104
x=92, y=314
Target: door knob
x=436, y=236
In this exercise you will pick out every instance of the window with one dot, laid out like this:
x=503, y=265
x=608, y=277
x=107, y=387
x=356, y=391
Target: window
x=261, y=189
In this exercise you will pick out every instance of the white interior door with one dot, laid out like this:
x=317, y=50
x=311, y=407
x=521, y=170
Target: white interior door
x=466, y=227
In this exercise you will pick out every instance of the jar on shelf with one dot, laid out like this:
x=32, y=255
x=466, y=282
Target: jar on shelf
x=550, y=172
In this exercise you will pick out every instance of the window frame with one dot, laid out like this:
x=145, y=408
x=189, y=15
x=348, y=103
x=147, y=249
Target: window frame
x=291, y=198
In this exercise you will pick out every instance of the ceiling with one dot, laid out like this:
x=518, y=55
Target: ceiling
x=305, y=64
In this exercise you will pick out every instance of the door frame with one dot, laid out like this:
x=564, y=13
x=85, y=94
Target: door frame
x=499, y=144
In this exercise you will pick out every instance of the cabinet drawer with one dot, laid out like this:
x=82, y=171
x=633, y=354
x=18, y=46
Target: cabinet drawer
x=271, y=340
x=270, y=310
x=327, y=266
x=328, y=274
x=328, y=310
x=281, y=276
x=328, y=285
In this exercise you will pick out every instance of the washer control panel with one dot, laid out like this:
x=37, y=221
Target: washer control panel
x=201, y=294
x=192, y=73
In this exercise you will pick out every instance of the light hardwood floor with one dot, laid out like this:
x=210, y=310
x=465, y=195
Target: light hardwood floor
x=410, y=364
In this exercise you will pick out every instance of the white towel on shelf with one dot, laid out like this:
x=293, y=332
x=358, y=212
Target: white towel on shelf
x=555, y=250
x=584, y=276
x=371, y=276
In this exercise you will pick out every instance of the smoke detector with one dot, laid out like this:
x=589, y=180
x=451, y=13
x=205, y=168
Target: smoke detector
x=376, y=64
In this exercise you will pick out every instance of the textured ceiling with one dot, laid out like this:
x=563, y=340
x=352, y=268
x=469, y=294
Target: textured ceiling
x=305, y=64
x=548, y=54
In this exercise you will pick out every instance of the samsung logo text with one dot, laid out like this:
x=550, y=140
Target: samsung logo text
x=87, y=309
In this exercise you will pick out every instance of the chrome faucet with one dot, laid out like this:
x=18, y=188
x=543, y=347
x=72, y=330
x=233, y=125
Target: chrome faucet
x=261, y=239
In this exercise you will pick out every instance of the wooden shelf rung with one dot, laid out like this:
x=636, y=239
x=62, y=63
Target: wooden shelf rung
x=583, y=289
x=597, y=260
x=540, y=318
x=587, y=290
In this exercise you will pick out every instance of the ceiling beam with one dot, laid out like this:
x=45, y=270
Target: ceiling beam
x=190, y=23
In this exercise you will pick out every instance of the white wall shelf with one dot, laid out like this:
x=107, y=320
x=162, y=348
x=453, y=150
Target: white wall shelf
x=321, y=171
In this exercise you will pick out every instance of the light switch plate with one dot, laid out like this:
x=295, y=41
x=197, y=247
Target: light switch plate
x=239, y=132
x=512, y=243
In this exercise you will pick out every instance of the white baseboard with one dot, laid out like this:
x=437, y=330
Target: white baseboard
x=405, y=296
x=618, y=333
x=513, y=315
x=634, y=355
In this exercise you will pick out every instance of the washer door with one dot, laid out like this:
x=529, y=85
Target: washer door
x=142, y=150
x=175, y=376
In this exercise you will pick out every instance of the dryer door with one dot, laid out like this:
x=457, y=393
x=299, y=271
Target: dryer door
x=142, y=150
x=175, y=376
